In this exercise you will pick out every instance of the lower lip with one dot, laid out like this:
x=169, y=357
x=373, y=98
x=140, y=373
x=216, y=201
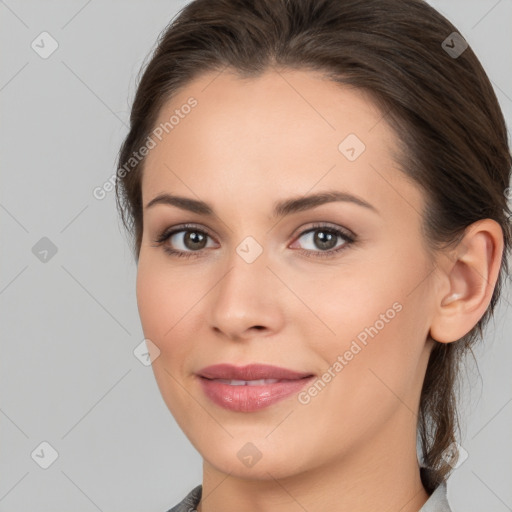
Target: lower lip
x=250, y=398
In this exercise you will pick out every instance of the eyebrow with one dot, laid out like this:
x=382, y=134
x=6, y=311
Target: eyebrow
x=281, y=208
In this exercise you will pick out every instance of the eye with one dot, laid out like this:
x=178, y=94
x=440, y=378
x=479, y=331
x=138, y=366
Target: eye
x=191, y=241
x=327, y=239
x=188, y=238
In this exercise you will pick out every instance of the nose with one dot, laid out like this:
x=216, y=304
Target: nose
x=246, y=302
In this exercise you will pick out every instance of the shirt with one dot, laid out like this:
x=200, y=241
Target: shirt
x=437, y=502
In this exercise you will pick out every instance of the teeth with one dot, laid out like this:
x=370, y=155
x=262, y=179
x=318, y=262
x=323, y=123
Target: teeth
x=260, y=382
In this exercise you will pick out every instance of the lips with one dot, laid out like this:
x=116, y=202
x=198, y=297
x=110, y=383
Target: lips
x=250, y=388
x=251, y=372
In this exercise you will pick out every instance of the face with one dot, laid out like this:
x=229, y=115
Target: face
x=339, y=290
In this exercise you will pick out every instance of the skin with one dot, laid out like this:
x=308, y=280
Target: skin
x=247, y=144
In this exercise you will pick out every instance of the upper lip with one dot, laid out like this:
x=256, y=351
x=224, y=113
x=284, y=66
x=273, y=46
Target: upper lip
x=250, y=372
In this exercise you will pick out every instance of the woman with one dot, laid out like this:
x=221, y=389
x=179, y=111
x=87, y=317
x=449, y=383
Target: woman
x=317, y=196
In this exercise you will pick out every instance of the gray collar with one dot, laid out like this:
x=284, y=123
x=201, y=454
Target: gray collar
x=437, y=502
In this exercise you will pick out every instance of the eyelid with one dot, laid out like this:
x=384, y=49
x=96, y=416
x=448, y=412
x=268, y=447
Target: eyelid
x=348, y=235
x=325, y=225
x=168, y=232
x=298, y=232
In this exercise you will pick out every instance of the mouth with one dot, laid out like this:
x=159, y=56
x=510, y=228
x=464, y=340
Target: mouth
x=250, y=388
x=245, y=375
x=259, y=382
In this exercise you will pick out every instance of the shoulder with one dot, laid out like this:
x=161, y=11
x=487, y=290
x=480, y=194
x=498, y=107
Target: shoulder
x=189, y=502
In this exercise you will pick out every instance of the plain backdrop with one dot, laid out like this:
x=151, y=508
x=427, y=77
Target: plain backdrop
x=69, y=320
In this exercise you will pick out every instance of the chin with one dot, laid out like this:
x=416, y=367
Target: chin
x=250, y=460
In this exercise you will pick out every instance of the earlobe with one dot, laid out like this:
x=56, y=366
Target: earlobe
x=471, y=273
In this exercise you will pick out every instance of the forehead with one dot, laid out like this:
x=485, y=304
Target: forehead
x=283, y=133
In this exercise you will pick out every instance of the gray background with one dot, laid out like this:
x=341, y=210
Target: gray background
x=69, y=325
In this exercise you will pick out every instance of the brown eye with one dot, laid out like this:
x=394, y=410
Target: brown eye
x=324, y=241
x=193, y=240
x=189, y=241
x=184, y=241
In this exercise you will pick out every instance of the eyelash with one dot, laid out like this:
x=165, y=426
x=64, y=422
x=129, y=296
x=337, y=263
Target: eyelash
x=168, y=232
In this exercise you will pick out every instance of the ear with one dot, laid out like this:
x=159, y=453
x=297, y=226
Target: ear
x=468, y=280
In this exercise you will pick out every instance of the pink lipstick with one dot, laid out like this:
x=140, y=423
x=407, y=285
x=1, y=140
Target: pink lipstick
x=252, y=387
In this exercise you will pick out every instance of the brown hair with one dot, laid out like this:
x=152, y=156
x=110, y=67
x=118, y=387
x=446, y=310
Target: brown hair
x=442, y=108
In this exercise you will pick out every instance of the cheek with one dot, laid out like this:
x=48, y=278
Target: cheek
x=374, y=324
x=167, y=302
x=162, y=295
x=162, y=307
x=160, y=302
x=150, y=292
